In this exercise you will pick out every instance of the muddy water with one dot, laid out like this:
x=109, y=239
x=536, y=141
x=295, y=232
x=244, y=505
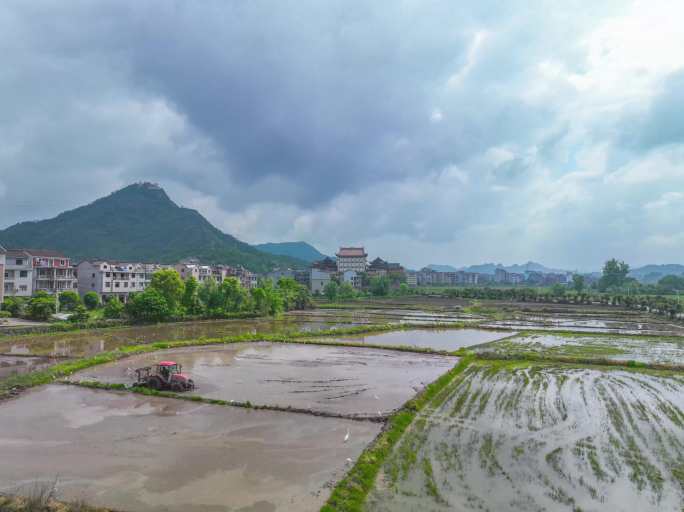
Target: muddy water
x=588, y=325
x=449, y=339
x=666, y=350
x=370, y=315
x=15, y=365
x=345, y=380
x=544, y=439
x=139, y=453
x=90, y=342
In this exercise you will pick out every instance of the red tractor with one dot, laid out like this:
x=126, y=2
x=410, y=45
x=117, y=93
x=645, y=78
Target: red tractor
x=167, y=375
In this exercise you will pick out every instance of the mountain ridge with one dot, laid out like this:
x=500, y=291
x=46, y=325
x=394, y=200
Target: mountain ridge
x=300, y=250
x=139, y=223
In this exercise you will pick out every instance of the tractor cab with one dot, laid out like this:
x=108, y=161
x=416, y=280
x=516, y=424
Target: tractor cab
x=167, y=369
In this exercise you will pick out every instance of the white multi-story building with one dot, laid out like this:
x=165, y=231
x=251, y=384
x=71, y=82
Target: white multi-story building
x=352, y=258
x=318, y=279
x=114, y=279
x=18, y=274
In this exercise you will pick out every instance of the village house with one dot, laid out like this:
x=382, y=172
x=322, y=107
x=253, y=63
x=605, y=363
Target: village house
x=327, y=264
x=351, y=258
x=353, y=278
x=18, y=274
x=52, y=271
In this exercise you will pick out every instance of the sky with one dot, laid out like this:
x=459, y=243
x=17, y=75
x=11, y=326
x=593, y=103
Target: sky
x=428, y=131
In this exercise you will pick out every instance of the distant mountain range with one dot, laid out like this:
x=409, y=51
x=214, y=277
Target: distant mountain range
x=490, y=268
x=139, y=223
x=300, y=250
x=653, y=273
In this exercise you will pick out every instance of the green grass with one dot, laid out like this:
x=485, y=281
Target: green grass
x=350, y=494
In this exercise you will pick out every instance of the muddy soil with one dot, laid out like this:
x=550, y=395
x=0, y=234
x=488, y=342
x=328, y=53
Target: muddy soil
x=346, y=380
x=449, y=339
x=15, y=365
x=131, y=452
x=654, y=350
x=538, y=438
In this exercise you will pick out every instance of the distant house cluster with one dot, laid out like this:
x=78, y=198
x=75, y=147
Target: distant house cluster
x=431, y=277
x=119, y=279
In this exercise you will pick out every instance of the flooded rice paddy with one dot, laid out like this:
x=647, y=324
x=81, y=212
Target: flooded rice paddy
x=540, y=438
x=131, y=452
x=343, y=380
x=651, y=350
x=435, y=339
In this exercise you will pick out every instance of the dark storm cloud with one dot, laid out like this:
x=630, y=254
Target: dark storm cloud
x=443, y=127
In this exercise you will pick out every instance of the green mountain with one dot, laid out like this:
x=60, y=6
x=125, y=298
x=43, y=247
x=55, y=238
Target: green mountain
x=139, y=223
x=299, y=250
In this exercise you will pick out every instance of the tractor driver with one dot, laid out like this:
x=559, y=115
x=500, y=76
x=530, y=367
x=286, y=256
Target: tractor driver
x=164, y=371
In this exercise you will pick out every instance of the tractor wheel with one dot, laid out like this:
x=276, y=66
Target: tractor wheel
x=154, y=383
x=191, y=384
x=177, y=387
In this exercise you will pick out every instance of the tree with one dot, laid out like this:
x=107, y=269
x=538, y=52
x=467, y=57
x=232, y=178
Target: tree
x=79, y=314
x=15, y=305
x=669, y=284
x=379, y=286
x=190, y=300
x=210, y=295
x=267, y=299
x=614, y=274
x=330, y=290
x=68, y=300
x=41, y=307
x=91, y=300
x=578, y=283
x=149, y=306
x=170, y=285
x=233, y=296
x=558, y=290
x=113, y=308
x=346, y=291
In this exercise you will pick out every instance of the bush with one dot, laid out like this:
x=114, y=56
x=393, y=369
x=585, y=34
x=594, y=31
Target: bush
x=5, y=314
x=69, y=300
x=79, y=314
x=91, y=300
x=41, y=307
x=113, y=308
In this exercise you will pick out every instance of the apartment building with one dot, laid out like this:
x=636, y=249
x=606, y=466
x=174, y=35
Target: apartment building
x=318, y=279
x=352, y=258
x=2, y=273
x=18, y=274
x=114, y=279
x=52, y=271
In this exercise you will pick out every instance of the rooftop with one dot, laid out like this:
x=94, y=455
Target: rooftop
x=351, y=252
x=45, y=253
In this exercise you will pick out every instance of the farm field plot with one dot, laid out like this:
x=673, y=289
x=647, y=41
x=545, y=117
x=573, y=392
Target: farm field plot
x=132, y=452
x=448, y=339
x=537, y=437
x=597, y=325
x=346, y=380
x=654, y=349
x=89, y=342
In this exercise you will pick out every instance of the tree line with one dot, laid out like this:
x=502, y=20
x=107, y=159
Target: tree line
x=168, y=297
